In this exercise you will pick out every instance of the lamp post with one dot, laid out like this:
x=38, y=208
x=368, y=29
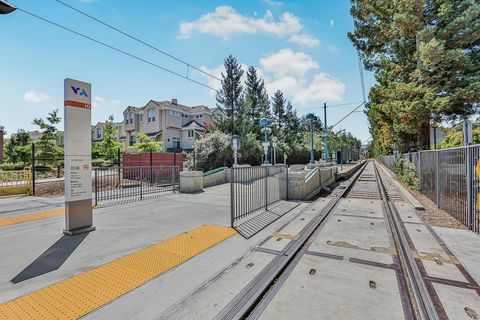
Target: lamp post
x=274, y=145
x=265, y=123
x=6, y=7
x=311, y=118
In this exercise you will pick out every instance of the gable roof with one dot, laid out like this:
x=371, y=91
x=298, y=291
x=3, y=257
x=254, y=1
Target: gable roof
x=192, y=121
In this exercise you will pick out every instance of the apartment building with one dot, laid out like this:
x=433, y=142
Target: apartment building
x=176, y=125
x=98, y=132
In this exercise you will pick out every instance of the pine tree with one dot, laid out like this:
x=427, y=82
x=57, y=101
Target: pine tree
x=256, y=97
x=230, y=95
x=278, y=106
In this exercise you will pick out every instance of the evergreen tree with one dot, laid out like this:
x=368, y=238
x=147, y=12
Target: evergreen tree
x=426, y=62
x=278, y=106
x=230, y=95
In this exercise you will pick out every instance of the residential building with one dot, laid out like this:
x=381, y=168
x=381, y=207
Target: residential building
x=99, y=129
x=176, y=125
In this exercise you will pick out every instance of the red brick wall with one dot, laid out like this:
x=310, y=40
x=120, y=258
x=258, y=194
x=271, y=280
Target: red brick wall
x=1, y=146
x=158, y=159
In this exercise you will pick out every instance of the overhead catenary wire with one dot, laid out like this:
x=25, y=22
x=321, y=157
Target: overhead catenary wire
x=139, y=40
x=361, y=104
x=115, y=49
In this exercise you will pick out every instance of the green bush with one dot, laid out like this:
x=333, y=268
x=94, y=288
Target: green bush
x=97, y=162
x=11, y=166
x=405, y=170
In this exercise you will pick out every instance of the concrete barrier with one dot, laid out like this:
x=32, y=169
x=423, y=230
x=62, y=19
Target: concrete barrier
x=191, y=181
x=216, y=178
x=304, y=185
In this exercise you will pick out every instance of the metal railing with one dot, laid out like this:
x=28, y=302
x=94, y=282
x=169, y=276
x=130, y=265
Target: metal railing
x=15, y=182
x=255, y=188
x=134, y=183
x=449, y=178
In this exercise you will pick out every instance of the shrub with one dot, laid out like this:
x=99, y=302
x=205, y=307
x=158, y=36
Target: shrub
x=12, y=166
x=405, y=170
x=97, y=162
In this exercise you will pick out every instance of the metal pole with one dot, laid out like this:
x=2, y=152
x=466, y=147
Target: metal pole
x=33, y=168
x=266, y=188
x=326, y=130
x=437, y=164
x=469, y=189
x=96, y=186
x=232, y=206
x=312, y=160
x=119, y=164
x=274, y=156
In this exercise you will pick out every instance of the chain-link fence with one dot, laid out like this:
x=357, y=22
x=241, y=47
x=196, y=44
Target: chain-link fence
x=450, y=178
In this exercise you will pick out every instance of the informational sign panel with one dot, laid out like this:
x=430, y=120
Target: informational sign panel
x=78, y=157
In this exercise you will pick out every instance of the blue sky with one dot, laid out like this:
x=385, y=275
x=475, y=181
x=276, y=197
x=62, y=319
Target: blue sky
x=300, y=47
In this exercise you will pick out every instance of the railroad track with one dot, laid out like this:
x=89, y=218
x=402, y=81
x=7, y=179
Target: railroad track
x=416, y=290
x=364, y=254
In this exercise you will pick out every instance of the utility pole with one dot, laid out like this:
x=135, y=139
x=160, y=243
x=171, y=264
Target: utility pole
x=326, y=130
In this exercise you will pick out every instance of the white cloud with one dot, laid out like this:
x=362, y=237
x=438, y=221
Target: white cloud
x=273, y=3
x=35, y=97
x=291, y=72
x=304, y=40
x=225, y=22
x=286, y=62
x=332, y=23
x=99, y=99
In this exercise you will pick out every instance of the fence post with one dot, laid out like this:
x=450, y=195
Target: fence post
x=469, y=189
x=232, y=198
x=437, y=168
x=33, y=168
x=96, y=186
x=174, y=157
x=286, y=173
x=420, y=169
x=266, y=188
x=141, y=182
x=151, y=168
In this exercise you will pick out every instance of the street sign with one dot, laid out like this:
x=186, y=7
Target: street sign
x=274, y=139
x=235, y=142
x=78, y=157
x=265, y=144
x=263, y=122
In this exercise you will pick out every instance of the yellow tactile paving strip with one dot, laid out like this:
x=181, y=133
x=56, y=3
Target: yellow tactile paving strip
x=31, y=217
x=83, y=293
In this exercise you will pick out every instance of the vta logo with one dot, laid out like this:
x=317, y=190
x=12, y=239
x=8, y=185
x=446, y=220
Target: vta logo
x=79, y=91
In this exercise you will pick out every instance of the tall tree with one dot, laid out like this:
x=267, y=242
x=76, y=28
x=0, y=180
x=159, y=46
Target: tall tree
x=256, y=97
x=47, y=142
x=109, y=146
x=278, y=106
x=426, y=62
x=230, y=95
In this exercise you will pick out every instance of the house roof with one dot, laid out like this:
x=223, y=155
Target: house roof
x=192, y=121
x=154, y=134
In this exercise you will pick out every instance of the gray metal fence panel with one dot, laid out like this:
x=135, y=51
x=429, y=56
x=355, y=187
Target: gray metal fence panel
x=453, y=183
x=448, y=177
x=475, y=187
x=255, y=188
x=428, y=174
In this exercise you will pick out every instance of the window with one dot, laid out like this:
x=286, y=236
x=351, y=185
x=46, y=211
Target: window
x=174, y=113
x=176, y=143
x=125, y=117
x=151, y=115
x=133, y=139
x=141, y=117
x=131, y=117
x=190, y=133
x=99, y=133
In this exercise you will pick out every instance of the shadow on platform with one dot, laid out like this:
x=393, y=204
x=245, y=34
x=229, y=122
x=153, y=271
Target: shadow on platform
x=52, y=258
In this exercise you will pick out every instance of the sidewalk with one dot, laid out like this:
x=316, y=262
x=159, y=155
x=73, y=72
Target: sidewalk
x=39, y=255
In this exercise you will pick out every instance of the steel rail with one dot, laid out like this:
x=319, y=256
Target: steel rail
x=422, y=305
x=254, y=298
